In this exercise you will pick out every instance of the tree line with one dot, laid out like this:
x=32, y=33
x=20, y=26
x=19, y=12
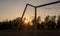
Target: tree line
x=49, y=23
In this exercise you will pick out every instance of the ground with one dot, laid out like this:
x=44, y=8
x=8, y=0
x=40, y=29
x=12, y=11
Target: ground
x=31, y=33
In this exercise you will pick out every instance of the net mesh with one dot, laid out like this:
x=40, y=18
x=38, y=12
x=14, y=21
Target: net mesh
x=42, y=12
x=51, y=10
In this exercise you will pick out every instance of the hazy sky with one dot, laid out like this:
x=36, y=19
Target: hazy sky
x=10, y=9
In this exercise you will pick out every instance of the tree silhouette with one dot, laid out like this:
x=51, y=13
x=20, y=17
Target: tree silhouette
x=58, y=22
x=52, y=23
x=38, y=23
x=46, y=22
x=5, y=25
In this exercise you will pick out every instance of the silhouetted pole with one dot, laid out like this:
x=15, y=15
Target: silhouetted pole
x=48, y=4
x=23, y=14
x=18, y=28
x=35, y=24
x=24, y=11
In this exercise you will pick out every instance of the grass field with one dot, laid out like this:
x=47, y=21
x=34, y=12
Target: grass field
x=31, y=33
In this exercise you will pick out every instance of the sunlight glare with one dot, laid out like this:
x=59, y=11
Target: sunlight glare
x=31, y=24
x=26, y=21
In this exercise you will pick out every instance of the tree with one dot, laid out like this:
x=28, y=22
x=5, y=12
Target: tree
x=52, y=23
x=38, y=23
x=46, y=22
x=58, y=22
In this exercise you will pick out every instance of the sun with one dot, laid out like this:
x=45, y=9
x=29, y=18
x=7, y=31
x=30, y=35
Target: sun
x=26, y=20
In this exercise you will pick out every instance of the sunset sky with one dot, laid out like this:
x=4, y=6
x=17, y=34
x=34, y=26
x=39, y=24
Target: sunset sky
x=11, y=9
